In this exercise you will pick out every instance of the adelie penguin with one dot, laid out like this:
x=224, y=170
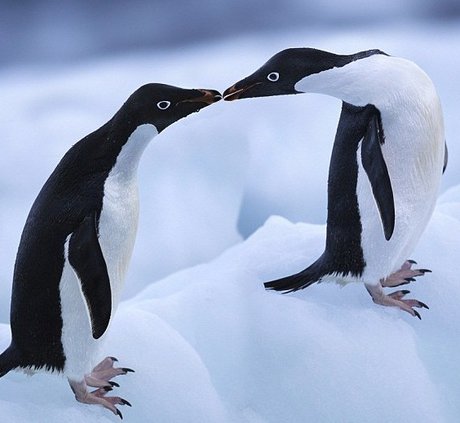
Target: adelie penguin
x=77, y=242
x=388, y=157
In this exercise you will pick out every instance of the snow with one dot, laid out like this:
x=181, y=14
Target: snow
x=208, y=343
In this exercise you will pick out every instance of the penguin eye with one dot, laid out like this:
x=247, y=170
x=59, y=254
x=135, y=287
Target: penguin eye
x=163, y=104
x=273, y=76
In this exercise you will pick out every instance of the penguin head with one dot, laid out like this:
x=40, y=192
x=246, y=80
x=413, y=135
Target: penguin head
x=161, y=105
x=280, y=74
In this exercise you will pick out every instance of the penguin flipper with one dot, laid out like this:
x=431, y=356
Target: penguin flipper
x=377, y=172
x=86, y=258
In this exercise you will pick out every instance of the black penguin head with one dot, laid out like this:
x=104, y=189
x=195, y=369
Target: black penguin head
x=161, y=105
x=280, y=74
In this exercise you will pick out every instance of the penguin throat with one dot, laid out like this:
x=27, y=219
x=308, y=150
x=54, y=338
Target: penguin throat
x=131, y=152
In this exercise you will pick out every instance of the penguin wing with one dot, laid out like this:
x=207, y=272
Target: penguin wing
x=377, y=172
x=86, y=258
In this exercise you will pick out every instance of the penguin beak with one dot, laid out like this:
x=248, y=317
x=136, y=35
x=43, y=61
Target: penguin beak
x=234, y=93
x=208, y=97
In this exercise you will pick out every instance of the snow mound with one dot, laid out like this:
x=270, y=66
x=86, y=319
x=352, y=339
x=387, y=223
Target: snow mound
x=209, y=344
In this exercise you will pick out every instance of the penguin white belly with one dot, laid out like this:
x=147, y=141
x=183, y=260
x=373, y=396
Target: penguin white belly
x=117, y=232
x=414, y=160
x=120, y=209
x=80, y=348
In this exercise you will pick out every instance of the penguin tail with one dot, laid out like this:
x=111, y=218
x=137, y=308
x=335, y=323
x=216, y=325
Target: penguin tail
x=290, y=283
x=8, y=361
x=300, y=280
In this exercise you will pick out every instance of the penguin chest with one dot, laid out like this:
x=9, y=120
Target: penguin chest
x=120, y=209
x=117, y=228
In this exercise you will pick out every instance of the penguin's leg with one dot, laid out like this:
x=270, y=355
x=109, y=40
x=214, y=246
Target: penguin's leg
x=395, y=299
x=104, y=371
x=80, y=389
x=404, y=275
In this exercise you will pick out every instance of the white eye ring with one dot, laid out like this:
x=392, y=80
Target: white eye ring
x=273, y=76
x=163, y=104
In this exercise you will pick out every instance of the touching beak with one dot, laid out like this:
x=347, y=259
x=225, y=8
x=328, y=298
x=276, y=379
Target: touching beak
x=234, y=93
x=208, y=97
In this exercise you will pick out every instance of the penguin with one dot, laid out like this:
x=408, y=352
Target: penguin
x=77, y=243
x=387, y=161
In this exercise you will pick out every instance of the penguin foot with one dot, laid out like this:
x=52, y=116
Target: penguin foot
x=80, y=389
x=404, y=275
x=395, y=299
x=103, y=372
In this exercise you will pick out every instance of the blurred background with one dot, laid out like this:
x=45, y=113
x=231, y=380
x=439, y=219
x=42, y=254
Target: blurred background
x=211, y=180
x=52, y=30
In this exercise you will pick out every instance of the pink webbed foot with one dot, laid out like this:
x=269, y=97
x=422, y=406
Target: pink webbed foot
x=103, y=372
x=80, y=389
x=404, y=275
x=395, y=299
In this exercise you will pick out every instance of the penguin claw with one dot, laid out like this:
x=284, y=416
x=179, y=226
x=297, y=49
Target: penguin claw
x=104, y=371
x=423, y=305
x=395, y=299
x=97, y=396
x=125, y=402
x=404, y=275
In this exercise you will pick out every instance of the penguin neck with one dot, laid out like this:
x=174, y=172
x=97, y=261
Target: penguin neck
x=129, y=156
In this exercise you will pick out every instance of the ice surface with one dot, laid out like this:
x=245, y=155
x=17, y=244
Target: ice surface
x=207, y=342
